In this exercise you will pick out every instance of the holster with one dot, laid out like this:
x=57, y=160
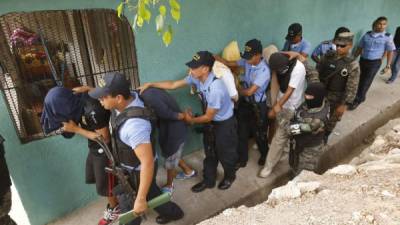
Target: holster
x=294, y=152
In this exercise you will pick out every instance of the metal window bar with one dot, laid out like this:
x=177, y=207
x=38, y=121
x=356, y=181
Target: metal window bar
x=86, y=43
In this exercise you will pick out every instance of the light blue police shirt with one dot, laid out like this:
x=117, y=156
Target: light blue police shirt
x=323, y=48
x=259, y=75
x=135, y=131
x=302, y=47
x=216, y=95
x=374, y=45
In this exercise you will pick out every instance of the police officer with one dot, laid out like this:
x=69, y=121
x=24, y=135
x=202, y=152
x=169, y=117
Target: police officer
x=291, y=78
x=5, y=191
x=326, y=46
x=373, y=46
x=131, y=136
x=252, y=109
x=64, y=109
x=396, y=58
x=308, y=128
x=218, y=108
x=295, y=41
x=340, y=73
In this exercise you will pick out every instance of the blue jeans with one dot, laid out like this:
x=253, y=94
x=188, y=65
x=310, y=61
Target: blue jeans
x=368, y=68
x=395, y=65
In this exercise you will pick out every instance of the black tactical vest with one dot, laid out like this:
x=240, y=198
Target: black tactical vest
x=122, y=151
x=309, y=139
x=284, y=79
x=334, y=72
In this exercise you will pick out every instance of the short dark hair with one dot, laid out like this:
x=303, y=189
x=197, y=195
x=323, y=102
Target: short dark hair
x=341, y=30
x=125, y=93
x=379, y=19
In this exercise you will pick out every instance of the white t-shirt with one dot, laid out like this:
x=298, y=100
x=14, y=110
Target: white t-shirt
x=298, y=82
x=225, y=74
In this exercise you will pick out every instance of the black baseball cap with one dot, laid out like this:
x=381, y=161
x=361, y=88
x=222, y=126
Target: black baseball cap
x=201, y=58
x=293, y=30
x=113, y=82
x=251, y=48
x=278, y=62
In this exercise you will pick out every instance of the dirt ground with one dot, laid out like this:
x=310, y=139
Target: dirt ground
x=364, y=191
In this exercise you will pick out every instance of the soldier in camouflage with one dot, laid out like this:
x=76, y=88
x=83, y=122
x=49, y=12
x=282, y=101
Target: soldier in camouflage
x=307, y=130
x=340, y=73
x=5, y=192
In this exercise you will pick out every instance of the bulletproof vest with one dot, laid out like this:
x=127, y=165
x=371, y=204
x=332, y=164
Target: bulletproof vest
x=284, y=79
x=334, y=72
x=122, y=151
x=309, y=139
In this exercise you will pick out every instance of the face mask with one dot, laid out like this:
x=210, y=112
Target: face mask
x=283, y=70
x=314, y=103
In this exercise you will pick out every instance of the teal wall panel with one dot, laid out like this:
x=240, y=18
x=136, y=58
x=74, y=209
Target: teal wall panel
x=49, y=174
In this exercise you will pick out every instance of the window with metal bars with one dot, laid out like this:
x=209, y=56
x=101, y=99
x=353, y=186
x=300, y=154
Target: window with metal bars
x=42, y=49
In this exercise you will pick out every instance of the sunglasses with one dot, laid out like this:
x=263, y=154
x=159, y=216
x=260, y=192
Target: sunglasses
x=340, y=46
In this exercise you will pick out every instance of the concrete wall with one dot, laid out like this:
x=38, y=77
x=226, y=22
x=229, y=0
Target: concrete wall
x=49, y=174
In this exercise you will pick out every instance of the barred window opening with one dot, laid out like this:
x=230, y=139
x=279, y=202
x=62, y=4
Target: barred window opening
x=42, y=49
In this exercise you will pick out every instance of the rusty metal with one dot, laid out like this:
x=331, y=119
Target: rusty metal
x=86, y=43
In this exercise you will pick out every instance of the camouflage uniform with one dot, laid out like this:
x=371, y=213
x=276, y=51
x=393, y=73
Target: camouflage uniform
x=307, y=147
x=5, y=192
x=337, y=98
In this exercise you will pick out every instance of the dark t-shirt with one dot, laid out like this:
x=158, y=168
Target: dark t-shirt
x=94, y=117
x=5, y=181
x=172, y=132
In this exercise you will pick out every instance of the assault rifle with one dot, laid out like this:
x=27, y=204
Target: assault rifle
x=120, y=172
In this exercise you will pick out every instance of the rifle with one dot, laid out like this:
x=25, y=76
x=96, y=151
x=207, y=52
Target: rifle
x=119, y=172
x=260, y=130
x=116, y=169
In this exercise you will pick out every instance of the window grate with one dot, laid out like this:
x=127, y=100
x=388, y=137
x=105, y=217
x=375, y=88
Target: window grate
x=82, y=45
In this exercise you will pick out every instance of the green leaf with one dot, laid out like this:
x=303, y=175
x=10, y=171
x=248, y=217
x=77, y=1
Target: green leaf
x=163, y=10
x=176, y=14
x=175, y=5
x=167, y=37
x=147, y=15
x=159, y=23
x=139, y=21
x=141, y=8
x=120, y=9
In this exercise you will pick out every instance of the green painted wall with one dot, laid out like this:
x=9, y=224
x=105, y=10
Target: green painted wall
x=49, y=174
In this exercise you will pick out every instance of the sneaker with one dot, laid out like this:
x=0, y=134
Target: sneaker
x=167, y=189
x=183, y=176
x=265, y=172
x=110, y=215
x=353, y=106
x=389, y=81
